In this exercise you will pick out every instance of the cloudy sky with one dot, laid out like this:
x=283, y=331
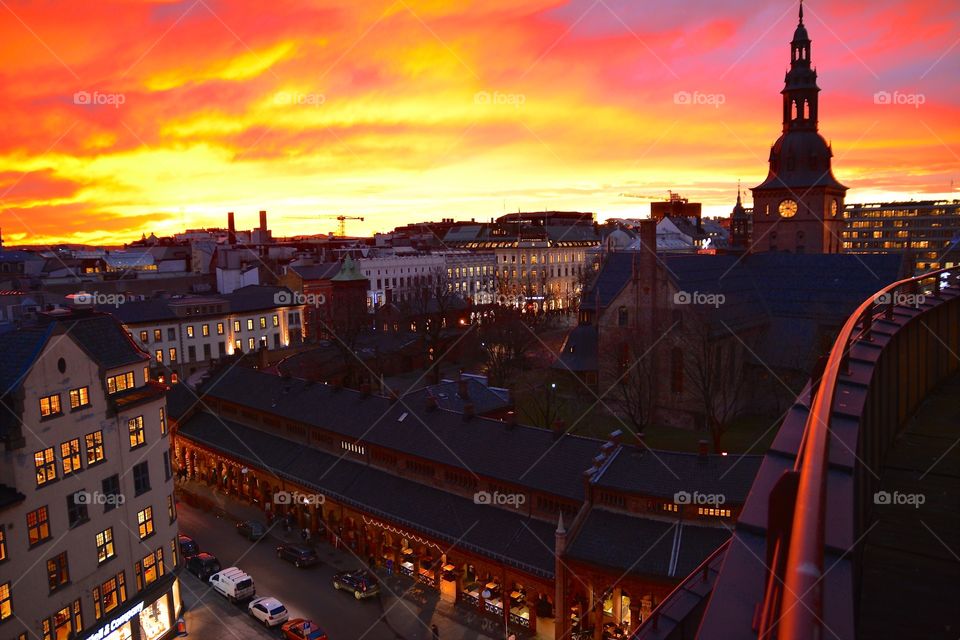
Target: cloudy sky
x=119, y=117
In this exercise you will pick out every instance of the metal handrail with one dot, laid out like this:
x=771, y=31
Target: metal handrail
x=798, y=594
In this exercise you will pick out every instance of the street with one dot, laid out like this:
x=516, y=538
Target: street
x=307, y=592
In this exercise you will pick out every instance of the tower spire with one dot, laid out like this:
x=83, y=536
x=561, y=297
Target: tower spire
x=801, y=11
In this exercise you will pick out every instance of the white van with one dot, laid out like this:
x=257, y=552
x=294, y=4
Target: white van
x=234, y=584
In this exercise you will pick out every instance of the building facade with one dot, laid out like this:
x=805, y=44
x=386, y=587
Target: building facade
x=398, y=278
x=472, y=275
x=187, y=334
x=88, y=532
x=923, y=230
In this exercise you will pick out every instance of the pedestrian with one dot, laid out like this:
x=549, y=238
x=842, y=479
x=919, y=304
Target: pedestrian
x=434, y=632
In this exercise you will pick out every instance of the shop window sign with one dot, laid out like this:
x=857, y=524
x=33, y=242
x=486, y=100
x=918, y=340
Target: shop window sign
x=106, y=631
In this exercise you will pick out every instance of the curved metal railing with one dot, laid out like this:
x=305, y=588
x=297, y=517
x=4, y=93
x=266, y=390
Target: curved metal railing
x=792, y=608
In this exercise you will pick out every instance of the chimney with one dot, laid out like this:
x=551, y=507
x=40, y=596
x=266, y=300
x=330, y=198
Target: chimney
x=702, y=449
x=231, y=229
x=468, y=411
x=263, y=221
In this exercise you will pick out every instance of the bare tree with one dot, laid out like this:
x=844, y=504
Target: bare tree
x=714, y=367
x=429, y=308
x=632, y=393
x=545, y=405
x=505, y=339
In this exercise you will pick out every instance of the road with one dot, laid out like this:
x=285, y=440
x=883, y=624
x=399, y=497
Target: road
x=308, y=592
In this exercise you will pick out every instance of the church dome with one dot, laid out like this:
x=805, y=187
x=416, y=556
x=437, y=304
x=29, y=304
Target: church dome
x=800, y=159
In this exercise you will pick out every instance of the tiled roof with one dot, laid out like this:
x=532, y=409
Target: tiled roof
x=511, y=537
x=665, y=473
x=642, y=546
x=243, y=300
x=104, y=340
x=323, y=271
x=579, y=352
x=524, y=455
x=447, y=395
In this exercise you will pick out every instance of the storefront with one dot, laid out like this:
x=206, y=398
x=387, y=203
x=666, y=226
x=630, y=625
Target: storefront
x=151, y=615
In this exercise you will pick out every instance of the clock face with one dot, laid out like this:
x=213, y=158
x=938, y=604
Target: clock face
x=788, y=208
x=834, y=207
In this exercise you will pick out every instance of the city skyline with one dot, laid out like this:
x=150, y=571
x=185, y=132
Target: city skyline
x=410, y=111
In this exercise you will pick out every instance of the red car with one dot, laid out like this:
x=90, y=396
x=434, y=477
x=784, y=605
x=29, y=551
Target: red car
x=301, y=629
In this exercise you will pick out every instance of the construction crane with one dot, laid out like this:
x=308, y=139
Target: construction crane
x=342, y=223
x=639, y=196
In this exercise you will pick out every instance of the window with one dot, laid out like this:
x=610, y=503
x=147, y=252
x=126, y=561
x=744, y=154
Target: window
x=66, y=623
x=58, y=572
x=135, y=427
x=276, y=320
x=167, y=472
x=38, y=525
x=110, y=595
x=6, y=606
x=173, y=354
x=236, y=326
x=189, y=330
x=205, y=330
x=157, y=335
x=192, y=353
x=141, y=478
x=111, y=492
x=50, y=406
x=70, y=456
x=146, y=375
x=174, y=559
x=251, y=344
x=238, y=345
x=249, y=324
x=94, y=442
x=79, y=398
x=77, y=509
x=158, y=354
x=121, y=382
x=144, y=336
x=171, y=508
x=3, y=543
x=263, y=322
x=171, y=334
x=150, y=568
x=219, y=328
x=105, y=545
x=46, y=466
x=145, y=523
x=163, y=421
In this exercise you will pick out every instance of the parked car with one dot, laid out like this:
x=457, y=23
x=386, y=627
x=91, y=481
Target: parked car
x=233, y=584
x=362, y=583
x=301, y=629
x=269, y=611
x=251, y=529
x=188, y=547
x=298, y=554
x=203, y=565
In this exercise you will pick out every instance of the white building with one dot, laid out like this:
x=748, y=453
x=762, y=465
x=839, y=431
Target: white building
x=397, y=278
x=88, y=531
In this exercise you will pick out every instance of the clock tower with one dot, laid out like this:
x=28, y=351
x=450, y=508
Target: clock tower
x=799, y=207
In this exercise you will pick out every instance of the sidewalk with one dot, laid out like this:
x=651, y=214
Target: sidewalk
x=409, y=619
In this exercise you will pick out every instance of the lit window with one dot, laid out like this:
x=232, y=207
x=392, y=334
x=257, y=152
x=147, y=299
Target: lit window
x=58, y=572
x=50, y=405
x=205, y=330
x=150, y=568
x=159, y=355
x=173, y=354
x=105, y=545
x=80, y=397
x=38, y=525
x=171, y=508
x=70, y=456
x=189, y=330
x=145, y=523
x=276, y=320
x=263, y=322
x=110, y=595
x=121, y=382
x=219, y=328
x=249, y=324
x=94, y=442
x=6, y=606
x=236, y=326
x=163, y=421
x=46, y=466
x=135, y=427
x=3, y=543
x=251, y=344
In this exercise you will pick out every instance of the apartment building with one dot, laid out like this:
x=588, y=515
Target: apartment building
x=398, y=278
x=88, y=522
x=924, y=230
x=185, y=334
x=472, y=274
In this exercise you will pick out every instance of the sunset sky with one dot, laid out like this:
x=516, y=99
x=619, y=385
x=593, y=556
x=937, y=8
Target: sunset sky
x=423, y=109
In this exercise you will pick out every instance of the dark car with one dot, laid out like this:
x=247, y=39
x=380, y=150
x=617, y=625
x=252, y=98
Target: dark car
x=203, y=565
x=188, y=547
x=251, y=529
x=299, y=555
x=362, y=583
